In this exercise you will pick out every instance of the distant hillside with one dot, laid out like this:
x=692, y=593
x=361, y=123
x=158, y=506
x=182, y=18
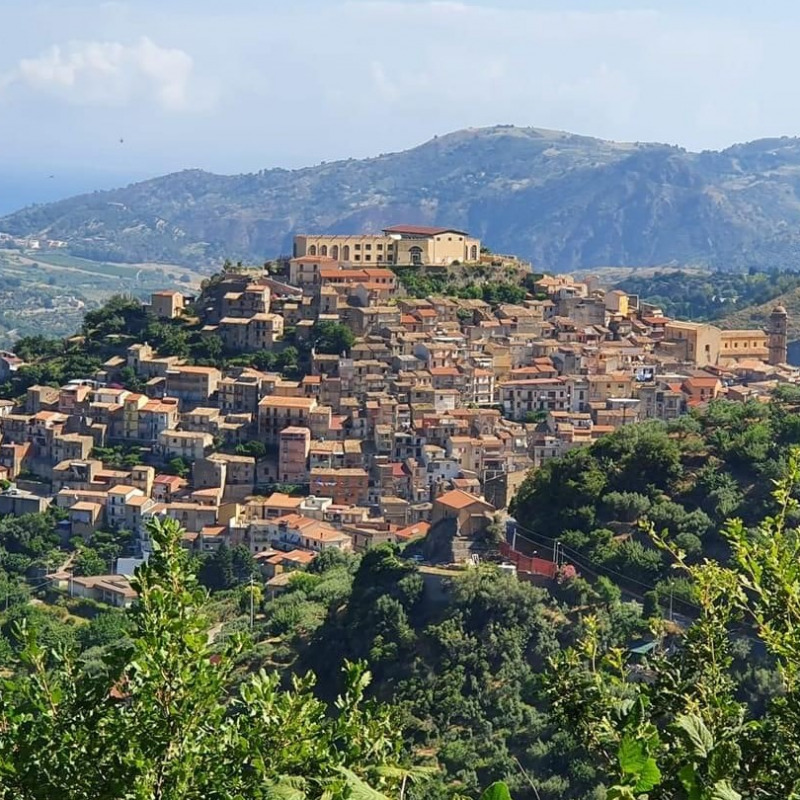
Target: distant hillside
x=756, y=316
x=560, y=200
x=709, y=296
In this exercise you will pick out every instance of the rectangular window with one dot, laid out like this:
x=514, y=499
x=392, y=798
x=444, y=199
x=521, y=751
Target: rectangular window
x=357, y=247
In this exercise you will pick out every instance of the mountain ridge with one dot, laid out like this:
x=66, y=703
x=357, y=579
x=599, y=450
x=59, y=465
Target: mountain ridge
x=562, y=200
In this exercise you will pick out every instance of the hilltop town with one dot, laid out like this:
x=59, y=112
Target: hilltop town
x=342, y=410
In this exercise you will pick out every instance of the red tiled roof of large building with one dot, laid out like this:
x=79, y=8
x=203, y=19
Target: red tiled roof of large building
x=421, y=230
x=458, y=499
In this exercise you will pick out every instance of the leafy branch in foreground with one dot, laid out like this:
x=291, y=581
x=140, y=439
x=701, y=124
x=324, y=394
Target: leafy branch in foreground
x=673, y=728
x=158, y=720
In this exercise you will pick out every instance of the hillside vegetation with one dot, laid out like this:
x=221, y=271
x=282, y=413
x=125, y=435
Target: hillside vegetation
x=686, y=478
x=560, y=200
x=48, y=293
x=756, y=316
x=733, y=300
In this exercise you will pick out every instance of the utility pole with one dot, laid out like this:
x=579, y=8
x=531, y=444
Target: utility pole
x=252, y=603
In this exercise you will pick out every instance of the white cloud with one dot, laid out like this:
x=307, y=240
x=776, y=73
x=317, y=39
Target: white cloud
x=108, y=74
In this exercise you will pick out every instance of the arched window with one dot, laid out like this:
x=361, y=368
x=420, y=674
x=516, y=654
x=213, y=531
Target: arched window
x=323, y=251
x=312, y=251
x=335, y=252
x=473, y=253
x=346, y=252
x=415, y=254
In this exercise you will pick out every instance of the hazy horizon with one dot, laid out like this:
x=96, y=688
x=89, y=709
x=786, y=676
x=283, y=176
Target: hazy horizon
x=145, y=88
x=103, y=92
x=23, y=187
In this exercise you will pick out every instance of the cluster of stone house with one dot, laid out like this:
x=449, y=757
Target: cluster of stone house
x=436, y=413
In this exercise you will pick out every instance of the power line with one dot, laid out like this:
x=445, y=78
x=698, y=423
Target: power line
x=580, y=559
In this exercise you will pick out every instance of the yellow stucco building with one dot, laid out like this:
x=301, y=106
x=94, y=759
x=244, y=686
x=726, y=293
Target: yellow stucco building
x=397, y=245
x=705, y=345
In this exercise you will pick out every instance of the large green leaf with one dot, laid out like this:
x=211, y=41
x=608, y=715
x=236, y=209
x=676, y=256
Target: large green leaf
x=688, y=777
x=497, y=791
x=724, y=791
x=697, y=733
x=632, y=755
x=359, y=790
x=649, y=777
x=635, y=761
x=284, y=790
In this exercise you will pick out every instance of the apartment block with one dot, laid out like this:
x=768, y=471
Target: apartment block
x=294, y=447
x=192, y=386
x=276, y=413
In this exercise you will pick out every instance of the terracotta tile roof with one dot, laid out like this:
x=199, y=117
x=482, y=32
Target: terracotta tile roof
x=274, y=401
x=298, y=556
x=280, y=500
x=421, y=230
x=417, y=529
x=122, y=490
x=458, y=499
x=85, y=505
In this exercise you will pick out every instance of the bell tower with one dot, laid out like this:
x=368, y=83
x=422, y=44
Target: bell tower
x=777, y=331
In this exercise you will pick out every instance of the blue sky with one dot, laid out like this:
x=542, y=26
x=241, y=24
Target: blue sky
x=243, y=85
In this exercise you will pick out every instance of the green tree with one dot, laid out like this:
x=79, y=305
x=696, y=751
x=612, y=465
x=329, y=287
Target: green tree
x=684, y=732
x=216, y=570
x=243, y=565
x=88, y=561
x=253, y=448
x=112, y=627
x=160, y=720
x=130, y=380
x=332, y=337
x=178, y=466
